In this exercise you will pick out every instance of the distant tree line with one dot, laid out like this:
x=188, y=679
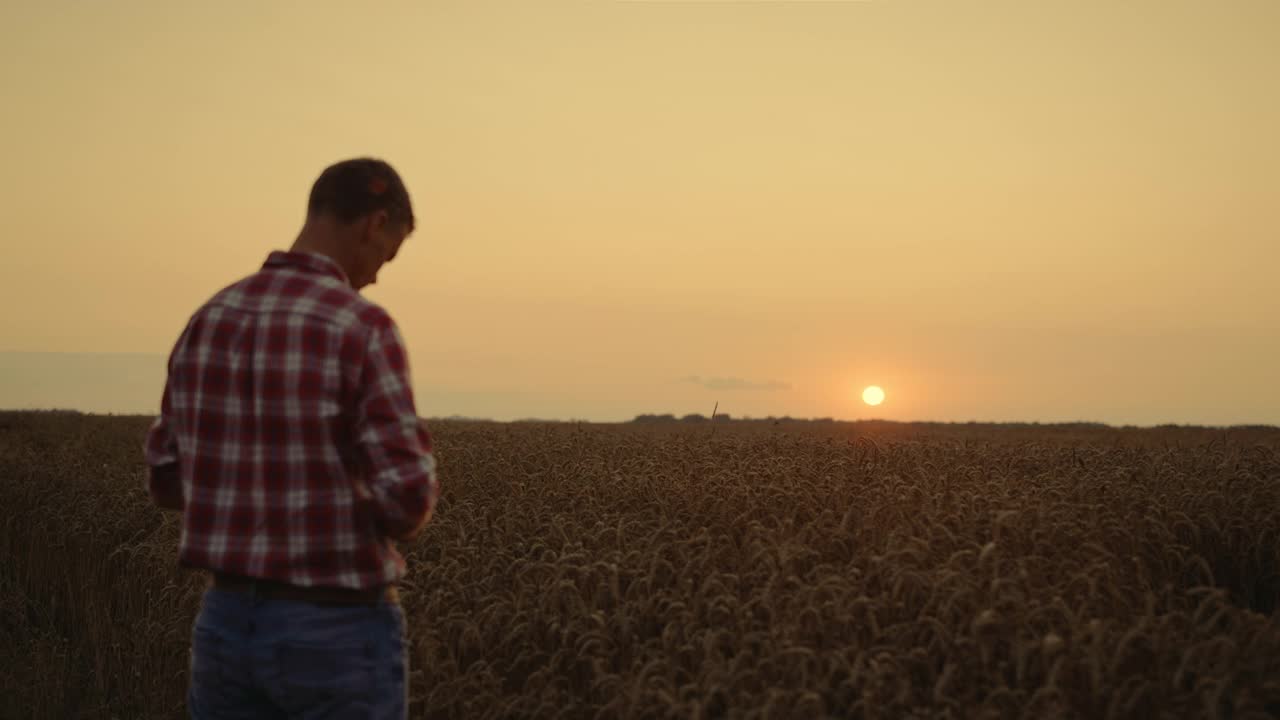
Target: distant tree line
x=725, y=417
x=669, y=418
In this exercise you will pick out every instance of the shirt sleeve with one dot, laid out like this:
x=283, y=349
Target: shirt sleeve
x=164, y=479
x=161, y=446
x=402, y=478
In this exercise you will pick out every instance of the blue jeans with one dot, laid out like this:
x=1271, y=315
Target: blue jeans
x=255, y=658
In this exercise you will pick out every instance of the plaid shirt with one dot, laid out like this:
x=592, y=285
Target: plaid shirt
x=289, y=414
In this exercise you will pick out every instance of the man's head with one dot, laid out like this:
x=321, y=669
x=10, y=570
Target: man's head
x=358, y=214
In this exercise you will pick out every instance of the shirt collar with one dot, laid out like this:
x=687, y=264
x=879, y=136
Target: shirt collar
x=313, y=262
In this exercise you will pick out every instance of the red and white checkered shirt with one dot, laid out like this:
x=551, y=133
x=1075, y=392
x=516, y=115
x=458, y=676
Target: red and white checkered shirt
x=289, y=413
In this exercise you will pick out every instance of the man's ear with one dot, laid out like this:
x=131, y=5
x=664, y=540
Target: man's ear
x=372, y=225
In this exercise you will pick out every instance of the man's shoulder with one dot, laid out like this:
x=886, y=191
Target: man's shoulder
x=321, y=299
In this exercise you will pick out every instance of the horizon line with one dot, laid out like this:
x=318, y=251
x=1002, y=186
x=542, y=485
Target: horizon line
x=635, y=420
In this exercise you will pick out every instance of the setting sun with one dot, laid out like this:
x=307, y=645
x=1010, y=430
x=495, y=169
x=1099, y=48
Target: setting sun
x=873, y=395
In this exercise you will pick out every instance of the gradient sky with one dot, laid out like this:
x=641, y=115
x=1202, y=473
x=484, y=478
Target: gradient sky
x=1000, y=211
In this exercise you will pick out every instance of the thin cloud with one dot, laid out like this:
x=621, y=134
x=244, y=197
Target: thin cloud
x=734, y=384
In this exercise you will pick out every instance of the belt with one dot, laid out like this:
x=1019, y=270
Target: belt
x=276, y=590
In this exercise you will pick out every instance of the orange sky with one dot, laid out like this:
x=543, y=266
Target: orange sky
x=995, y=210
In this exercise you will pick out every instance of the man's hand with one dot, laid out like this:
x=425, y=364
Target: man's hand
x=165, y=483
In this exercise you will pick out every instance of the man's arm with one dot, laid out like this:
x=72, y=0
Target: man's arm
x=165, y=485
x=403, y=481
x=164, y=476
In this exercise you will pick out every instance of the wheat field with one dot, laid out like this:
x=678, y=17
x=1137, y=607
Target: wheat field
x=762, y=570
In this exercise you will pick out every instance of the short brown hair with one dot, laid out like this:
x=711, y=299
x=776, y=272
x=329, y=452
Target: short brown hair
x=351, y=189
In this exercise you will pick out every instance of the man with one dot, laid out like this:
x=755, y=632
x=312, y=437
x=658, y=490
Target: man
x=289, y=441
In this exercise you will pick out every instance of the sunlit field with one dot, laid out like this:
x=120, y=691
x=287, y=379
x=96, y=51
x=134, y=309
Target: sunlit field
x=780, y=570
